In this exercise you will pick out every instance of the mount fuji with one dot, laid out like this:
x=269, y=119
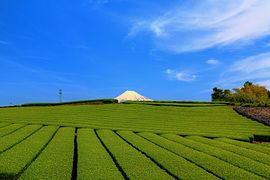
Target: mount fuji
x=131, y=96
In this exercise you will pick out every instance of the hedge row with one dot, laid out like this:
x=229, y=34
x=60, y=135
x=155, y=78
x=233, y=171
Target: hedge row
x=257, y=156
x=93, y=159
x=182, y=102
x=250, y=146
x=13, y=138
x=175, y=164
x=3, y=124
x=231, y=157
x=96, y=101
x=212, y=164
x=56, y=160
x=135, y=164
x=13, y=161
x=265, y=145
x=10, y=128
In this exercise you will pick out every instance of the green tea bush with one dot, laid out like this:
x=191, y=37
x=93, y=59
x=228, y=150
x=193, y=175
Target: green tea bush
x=13, y=161
x=222, y=169
x=56, y=160
x=175, y=164
x=239, y=160
x=96, y=101
x=135, y=164
x=93, y=160
x=10, y=129
x=19, y=135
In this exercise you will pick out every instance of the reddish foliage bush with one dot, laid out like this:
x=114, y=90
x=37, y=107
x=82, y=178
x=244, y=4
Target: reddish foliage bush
x=261, y=114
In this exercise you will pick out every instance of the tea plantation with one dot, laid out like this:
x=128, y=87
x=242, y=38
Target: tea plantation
x=131, y=141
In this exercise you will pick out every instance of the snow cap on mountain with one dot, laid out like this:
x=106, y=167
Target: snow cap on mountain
x=131, y=96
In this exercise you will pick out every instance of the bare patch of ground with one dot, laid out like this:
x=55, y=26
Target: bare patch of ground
x=260, y=114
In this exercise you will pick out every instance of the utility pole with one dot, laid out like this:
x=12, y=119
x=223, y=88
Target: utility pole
x=60, y=95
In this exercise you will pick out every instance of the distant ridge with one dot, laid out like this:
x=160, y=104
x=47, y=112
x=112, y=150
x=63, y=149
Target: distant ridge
x=79, y=102
x=131, y=96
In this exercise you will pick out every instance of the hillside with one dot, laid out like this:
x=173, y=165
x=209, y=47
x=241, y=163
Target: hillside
x=131, y=141
x=205, y=120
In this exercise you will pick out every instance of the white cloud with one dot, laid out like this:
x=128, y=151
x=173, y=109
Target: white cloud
x=180, y=75
x=212, y=62
x=208, y=23
x=265, y=83
x=255, y=68
x=252, y=64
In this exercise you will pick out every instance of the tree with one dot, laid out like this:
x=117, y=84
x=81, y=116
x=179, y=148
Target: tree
x=217, y=94
x=251, y=93
x=248, y=83
x=227, y=95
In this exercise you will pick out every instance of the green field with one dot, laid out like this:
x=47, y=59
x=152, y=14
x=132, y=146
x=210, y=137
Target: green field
x=209, y=121
x=131, y=141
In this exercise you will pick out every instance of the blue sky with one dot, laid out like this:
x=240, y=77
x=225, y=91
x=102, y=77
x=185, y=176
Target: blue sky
x=176, y=50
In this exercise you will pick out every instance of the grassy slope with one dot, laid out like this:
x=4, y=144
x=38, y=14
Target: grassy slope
x=181, y=157
x=211, y=121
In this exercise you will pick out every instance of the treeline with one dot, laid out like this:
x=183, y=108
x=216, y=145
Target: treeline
x=80, y=102
x=249, y=95
x=173, y=101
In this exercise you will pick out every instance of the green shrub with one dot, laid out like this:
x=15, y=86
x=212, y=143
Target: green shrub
x=234, y=155
x=13, y=161
x=3, y=124
x=212, y=164
x=56, y=160
x=13, y=138
x=10, y=129
x=251, y=146
x=96, y=101
x=177, y=165
x=227, y=156
x=135, y=164
x=257, y=156
x=93, y=159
